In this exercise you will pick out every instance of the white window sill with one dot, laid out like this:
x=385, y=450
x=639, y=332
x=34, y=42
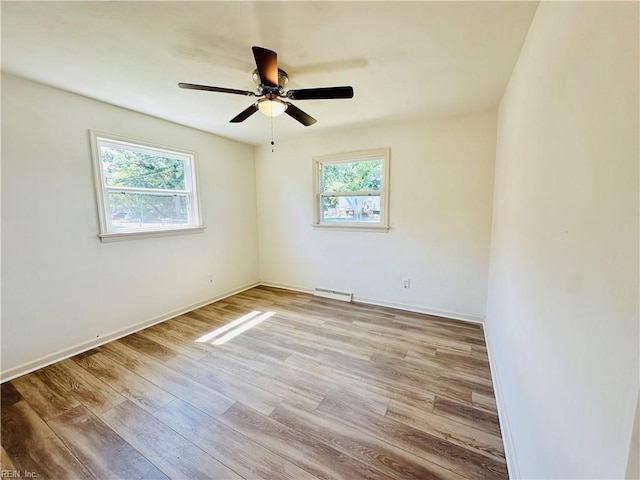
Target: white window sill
x=121, y=236
x=350, y=227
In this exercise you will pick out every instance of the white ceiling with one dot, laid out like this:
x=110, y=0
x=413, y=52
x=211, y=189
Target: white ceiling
x=403, y=59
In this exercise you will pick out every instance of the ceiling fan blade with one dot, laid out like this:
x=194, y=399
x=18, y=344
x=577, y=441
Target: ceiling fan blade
x=208, y=88
x=320, y=93
x=246, y=113
x=267, y=63
x=299, y=115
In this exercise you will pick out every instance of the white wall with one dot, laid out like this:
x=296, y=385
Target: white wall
x=441, y=185
x=562, y=313
x=633, y=464
x=61, y=286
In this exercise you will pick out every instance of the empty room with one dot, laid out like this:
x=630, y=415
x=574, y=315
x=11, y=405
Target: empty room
x=320, y=240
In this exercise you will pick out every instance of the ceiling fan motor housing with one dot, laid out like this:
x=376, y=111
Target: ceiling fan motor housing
x=283, y=79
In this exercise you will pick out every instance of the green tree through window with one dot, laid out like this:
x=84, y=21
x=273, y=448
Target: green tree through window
x=351, y=189
x=123, y=168
x=145, y=187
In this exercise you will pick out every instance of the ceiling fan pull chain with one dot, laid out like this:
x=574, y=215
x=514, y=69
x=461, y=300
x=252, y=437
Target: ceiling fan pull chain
x=272, y=142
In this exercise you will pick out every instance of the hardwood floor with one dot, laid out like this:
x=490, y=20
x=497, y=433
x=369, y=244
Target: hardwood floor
x=316, y=389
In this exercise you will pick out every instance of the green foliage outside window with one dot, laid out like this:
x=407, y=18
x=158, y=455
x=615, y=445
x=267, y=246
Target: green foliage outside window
x=363, y=176
x=124, y=168
x=127, y=169
x=352, y=177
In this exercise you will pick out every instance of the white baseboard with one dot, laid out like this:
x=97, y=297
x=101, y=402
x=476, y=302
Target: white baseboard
x=41, y=362
x=467, y=317
x=505, y=429
x=287, y=287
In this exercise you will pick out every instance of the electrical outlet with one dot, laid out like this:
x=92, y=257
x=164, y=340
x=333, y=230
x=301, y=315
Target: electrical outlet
x=406, y=283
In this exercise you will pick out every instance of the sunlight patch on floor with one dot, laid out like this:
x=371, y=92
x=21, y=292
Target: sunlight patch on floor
x=233, y=329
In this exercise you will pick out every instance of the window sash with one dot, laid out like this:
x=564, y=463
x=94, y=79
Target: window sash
x=144, y=149
x=108, y=226
x=150, y=191
x=380, y=154
x=357, y=193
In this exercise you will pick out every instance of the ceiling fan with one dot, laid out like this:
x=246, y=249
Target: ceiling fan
x=271, y=82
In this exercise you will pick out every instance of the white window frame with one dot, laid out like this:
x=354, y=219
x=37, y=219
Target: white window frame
x=107, y=233
x=351, y=157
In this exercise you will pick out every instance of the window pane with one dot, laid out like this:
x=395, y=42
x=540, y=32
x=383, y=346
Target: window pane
x=135, y=211
x=125, y=168
x=363, y=209
x=352, y=176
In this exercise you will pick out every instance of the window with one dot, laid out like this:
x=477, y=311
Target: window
x=143, y=189
x=351, y=190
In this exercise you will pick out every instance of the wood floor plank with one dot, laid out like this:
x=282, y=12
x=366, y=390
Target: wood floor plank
x=359, y=337
x=486, y=402
x=183, y=334
x=295, y=318
x=244, y=456
x=42, y=398
x=148, y=347
x=228, y=385
x=68, y=378
x=474, y=417
x=212, y=317
x=420, y=319
x=33, y=447
x=273, y=383
x=181, y=347
x=262, y=344
x=171, y=381
x=461, y=366
x=479, y=364
x=330, y=311
x=370, y=449
x=456, y=381
x=316, y=343
x=6, y=462
x=283, y=372
x=433, y=424
x=450, y=456
x=390, y=387
x=265, y=347
x=367, y=399
x=429, y=337
x=131, y=386
x=272, y=335
x=318, y=458
x=9, y=394
x=106, y=454
x=170, y=452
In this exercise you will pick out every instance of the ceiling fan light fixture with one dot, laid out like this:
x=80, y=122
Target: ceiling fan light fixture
x=271, y=107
